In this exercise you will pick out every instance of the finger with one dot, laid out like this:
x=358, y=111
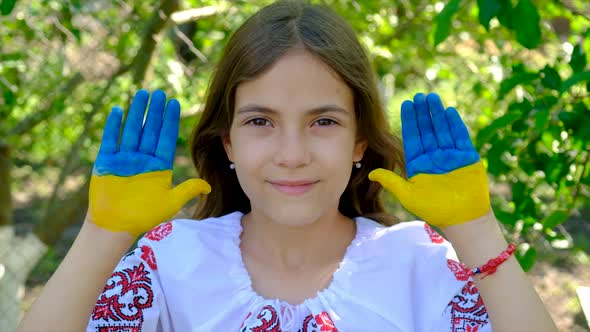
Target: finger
x=169, y=133
x=439, y=121
x=410, y=132
x=134, y=121
x=188, y=190
x=110, y=135
x=458, y=130
x=424, y=123
x=153, y=123
x=390, y=181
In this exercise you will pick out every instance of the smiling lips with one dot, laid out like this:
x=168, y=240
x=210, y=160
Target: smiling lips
x=293, y=187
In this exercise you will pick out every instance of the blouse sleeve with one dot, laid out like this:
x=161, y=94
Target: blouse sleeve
x=465, y=312
x=131, y=300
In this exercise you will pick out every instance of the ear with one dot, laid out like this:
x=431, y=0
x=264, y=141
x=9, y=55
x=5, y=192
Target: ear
x=226, y=141
x=359, y=149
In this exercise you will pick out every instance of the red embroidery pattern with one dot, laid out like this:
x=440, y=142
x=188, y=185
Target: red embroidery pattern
x=309, y=324
x=325, y=322
x=147, y=254
x=266, y=321
x=124, y=328
x=434, y=236
x=468, y=312
x=460, y=271
x=112, y=305
x=160, y=232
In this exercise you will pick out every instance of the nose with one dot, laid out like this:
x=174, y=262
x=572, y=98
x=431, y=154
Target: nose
x=292, y=150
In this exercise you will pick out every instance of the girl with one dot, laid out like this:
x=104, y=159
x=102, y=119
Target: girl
x=294, y=145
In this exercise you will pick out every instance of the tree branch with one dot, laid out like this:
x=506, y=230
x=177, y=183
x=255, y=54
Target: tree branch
x=34, y=119
x=193, y=14
x=156, y=24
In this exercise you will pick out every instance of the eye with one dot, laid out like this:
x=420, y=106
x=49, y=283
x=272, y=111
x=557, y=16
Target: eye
x=325, y=122
x=259, y=122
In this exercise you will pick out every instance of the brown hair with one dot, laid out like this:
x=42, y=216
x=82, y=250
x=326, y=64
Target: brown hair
x=252, y=49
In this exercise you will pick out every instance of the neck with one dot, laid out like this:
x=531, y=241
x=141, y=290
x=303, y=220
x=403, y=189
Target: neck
x=292, y=247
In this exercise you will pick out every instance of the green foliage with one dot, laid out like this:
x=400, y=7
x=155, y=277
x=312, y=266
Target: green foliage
x=523, y=19
x=443, y=21
x=6, y=6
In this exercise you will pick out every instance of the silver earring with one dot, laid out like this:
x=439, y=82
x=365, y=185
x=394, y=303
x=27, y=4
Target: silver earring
x=358, y=164
x=232, y=166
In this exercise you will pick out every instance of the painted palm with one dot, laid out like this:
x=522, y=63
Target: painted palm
x=131, y=186
x=447, y=183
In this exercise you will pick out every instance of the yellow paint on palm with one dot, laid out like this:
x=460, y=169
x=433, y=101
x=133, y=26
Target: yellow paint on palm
x=441, y=199
x=138, y=203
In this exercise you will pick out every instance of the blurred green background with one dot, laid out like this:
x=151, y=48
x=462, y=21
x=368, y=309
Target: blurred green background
x=515, y=69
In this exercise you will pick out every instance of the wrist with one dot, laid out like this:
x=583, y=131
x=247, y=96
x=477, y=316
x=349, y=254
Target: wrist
x=478, y=240
x=97, y=233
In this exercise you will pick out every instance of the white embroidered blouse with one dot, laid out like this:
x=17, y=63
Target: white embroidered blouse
x=188, y=275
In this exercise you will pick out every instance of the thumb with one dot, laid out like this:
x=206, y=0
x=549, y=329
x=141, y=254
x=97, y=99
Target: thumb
x=391, y=181
x=189, y=189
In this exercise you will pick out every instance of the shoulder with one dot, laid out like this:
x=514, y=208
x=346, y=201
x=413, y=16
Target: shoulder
x=404, y=237
x=215, y=227
x=182, y=240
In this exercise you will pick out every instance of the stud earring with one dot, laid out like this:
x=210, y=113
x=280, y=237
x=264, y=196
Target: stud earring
x=358, y=164
x=232, y=166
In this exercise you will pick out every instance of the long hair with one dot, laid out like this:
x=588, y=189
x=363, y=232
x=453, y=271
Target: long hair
x=252, y=49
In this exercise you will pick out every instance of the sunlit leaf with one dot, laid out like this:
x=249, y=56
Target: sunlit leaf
x=443, y=21
x=574, y=79
x=555, y=218
x=526, y=257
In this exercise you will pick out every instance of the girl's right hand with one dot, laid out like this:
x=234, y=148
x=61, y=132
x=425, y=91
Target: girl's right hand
x=131, y=185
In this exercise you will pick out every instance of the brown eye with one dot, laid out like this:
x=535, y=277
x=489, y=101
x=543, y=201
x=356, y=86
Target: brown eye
x=259, y=122
x=325, y=122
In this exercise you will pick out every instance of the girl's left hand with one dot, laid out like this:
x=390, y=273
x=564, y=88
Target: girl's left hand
x=447, y=182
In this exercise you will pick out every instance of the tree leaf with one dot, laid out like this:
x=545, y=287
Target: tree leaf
x=526, y=22
x=6, y=6
x=519, y=76
x=578, y=60
x=486, y=134
x=574, y=79
x=550, y=78
x=505, y=14
x=487, y=10
x=555, y=218
x=505, y=217
x=541, y=119
x=443, y=21
x=527, y=258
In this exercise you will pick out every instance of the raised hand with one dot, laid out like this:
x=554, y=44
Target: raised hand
x=131, y=185
x=447, y=183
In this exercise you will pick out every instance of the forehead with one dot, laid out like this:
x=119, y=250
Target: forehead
x=296, y=81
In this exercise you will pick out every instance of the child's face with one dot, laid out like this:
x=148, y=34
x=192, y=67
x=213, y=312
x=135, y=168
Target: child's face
x=293, y=139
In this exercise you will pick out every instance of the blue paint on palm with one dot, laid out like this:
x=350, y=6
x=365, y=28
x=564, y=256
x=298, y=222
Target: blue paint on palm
x=143, y=148
x=436, y=140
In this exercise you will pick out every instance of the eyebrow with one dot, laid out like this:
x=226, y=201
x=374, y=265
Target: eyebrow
x=253, y=108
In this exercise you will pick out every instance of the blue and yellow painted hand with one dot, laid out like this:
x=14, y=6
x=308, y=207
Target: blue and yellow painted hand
x=447, y=182
x=131, y=185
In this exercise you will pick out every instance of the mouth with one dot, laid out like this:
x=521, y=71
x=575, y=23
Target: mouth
x=293, y=187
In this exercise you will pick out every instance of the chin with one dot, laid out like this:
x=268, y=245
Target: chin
x=295, y=216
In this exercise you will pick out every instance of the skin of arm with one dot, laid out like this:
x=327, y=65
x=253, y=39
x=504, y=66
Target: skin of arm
x=510, y=298
x=75, y=286
x=447, y=187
